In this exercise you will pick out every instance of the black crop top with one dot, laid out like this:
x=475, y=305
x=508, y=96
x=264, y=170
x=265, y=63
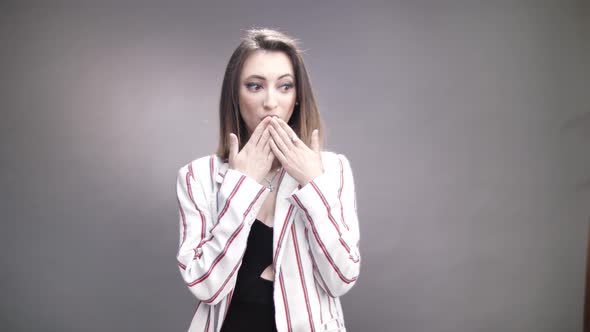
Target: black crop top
x=252, y=306
x=250, y=286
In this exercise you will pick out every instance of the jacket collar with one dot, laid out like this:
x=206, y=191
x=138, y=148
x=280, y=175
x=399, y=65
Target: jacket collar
x=286, y=183
x=221, y=169
x=286, y=186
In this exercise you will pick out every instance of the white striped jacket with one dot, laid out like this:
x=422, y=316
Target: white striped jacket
x=315, y=242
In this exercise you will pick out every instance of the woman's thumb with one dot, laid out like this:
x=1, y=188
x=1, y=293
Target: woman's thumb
x=233, y=146
x=315, y=140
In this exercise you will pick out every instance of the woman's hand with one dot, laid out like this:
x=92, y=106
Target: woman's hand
x=303, y=163
x=256, y=157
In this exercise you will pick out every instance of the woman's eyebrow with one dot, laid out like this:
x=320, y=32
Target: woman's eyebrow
x=260, y=77
x=285, y=75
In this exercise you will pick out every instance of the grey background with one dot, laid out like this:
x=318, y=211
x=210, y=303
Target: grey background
x=467, y=124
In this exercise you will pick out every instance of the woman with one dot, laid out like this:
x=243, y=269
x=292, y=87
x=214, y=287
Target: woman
x=268, y=225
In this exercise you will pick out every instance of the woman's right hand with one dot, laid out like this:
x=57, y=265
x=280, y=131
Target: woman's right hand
x=256, y=157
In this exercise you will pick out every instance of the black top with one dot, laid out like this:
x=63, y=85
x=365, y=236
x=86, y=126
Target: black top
x=252, y=306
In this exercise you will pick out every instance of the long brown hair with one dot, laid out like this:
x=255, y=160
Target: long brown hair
x=305, y=117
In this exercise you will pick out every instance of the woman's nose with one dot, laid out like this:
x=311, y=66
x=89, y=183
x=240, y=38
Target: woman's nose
x=270, y=102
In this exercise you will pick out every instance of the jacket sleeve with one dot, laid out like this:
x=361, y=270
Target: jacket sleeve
x=328, y=206
x=212, y=243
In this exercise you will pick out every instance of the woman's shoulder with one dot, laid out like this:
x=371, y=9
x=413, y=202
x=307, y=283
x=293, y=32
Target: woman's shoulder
x=335, y=161
x=333, y=157
x=208, y=164
x=200, y=165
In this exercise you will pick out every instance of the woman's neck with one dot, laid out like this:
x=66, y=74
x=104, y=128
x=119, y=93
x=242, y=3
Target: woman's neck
x=273, y=169
x=275, y=164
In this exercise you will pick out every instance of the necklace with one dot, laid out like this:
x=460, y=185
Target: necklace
x=270, y=187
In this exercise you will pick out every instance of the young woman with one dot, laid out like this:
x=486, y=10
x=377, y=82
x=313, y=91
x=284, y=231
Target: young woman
x=269, y=236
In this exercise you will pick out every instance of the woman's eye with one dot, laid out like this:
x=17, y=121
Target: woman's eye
x=287, y=86
x=253, y=86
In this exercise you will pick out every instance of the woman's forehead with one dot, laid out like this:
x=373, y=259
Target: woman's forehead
x=270, y=65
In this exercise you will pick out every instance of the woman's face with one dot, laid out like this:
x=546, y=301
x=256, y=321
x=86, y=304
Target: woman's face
x=267, y=87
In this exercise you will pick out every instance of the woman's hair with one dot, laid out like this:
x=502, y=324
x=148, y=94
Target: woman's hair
x=305, y=117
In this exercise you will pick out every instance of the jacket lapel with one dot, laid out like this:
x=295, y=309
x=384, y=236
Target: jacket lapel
x=218, y=168
x=284, y=211
x=284, y=215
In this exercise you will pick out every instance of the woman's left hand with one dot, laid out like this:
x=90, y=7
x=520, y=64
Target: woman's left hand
x=303, y=163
